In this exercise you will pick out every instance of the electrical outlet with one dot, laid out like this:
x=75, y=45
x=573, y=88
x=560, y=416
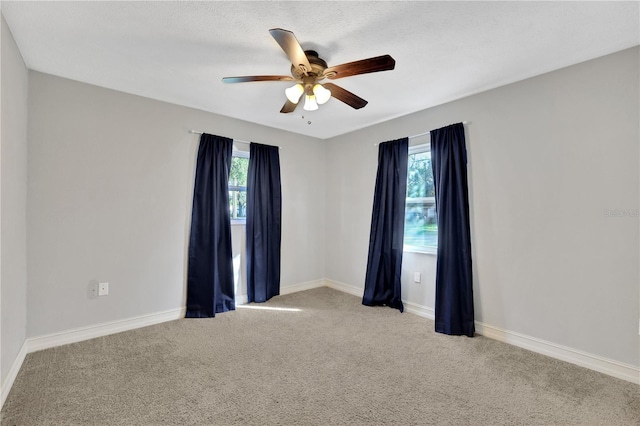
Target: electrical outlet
x=416, y=277
x=92, y=289
x=103, y=289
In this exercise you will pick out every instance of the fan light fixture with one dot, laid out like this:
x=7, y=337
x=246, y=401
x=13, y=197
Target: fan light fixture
x=308, y=70
x=315, y=95
x=310, y=103
x=294, y=92
x=322, y=94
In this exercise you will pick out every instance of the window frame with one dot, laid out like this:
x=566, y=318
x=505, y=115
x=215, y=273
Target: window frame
x=417, y=149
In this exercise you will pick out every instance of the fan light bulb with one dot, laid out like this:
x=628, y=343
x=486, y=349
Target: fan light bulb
x=310, y=103
x=294, y=92
x=322, y=94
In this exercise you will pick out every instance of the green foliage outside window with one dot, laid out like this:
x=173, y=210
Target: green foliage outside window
x=238, y=187
x=420, y=227
x=420, y=176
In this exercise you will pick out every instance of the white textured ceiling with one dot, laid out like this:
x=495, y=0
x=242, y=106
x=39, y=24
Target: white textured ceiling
x=179, y=51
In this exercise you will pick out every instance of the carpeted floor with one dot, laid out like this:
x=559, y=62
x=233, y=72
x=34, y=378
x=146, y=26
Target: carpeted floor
x=316, y=357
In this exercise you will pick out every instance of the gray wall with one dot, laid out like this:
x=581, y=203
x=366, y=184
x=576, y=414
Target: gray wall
x=109, y=199
x=13, y=202
x=548, y=157
x=110, y=184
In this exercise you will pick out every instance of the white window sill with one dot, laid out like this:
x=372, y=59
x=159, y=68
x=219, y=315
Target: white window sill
x=235, y=222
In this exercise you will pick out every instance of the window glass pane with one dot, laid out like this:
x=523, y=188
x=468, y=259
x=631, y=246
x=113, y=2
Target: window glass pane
x=238, y=187
x=238, y=204
x=420, y=176
x=238, y=172
x=420, y=227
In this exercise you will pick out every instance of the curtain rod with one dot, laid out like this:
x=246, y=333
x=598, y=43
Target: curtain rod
x=426, y=133
x=196, y=132
x=421, y=134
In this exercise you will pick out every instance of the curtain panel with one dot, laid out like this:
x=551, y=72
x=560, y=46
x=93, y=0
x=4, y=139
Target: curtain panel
x=210, y=285
x=454, y=288
x=384, y=263
x=264, y=223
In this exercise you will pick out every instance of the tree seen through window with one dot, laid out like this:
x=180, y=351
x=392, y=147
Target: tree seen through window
x=420, y=227
x=238, y=187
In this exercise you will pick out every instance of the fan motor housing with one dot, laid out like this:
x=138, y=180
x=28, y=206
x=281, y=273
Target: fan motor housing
x=318, y=65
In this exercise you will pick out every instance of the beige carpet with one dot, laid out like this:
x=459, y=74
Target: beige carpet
x=327, y=360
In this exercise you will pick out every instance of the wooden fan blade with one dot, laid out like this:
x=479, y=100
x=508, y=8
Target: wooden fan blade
x=288, y=42
x=249, y=78
x=288, y=107
x=364, y=66
x=345, y=96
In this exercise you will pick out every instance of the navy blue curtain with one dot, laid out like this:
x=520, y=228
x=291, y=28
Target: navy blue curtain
x=454, y=290
x=210, y=274
x=264, y=223
x=382, y=281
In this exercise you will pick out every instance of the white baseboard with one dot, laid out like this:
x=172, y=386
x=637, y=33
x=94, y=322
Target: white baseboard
x=607, y=366
x=420, y=310
x=243, y=299
x=301, y=287
x=594, y=362
x=79, y=334
x=414, y=308
x=34, y=344
x=345, y=288
x=13, y=373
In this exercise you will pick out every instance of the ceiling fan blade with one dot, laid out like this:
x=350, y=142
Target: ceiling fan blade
x=249, y=78
x=364, y=66
x=288, y=107
x=345, y=96
x=288, y=42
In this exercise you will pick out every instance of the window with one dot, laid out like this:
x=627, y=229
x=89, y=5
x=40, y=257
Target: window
x=238, y=186
x=420, y=227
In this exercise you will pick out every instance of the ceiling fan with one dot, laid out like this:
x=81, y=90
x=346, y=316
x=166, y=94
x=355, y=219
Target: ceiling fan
x=308, y=70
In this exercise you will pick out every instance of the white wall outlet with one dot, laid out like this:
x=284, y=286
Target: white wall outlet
x=103, y=289
x=416, y=277
x=92, y=290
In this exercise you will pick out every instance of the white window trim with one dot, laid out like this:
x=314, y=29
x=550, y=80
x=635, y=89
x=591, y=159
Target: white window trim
x=238, y=153
x=423, y=147
x=420, y=250
x=420, y=200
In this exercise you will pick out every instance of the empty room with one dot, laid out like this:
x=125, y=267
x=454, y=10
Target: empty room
x=320, y=213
